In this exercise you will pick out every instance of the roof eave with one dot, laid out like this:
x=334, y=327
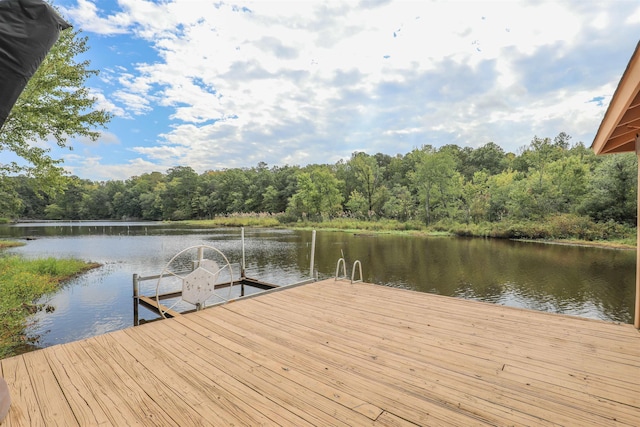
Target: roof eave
x=621, y=122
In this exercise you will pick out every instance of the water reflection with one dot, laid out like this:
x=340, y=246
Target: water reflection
x=589, y=282
x=585, y=281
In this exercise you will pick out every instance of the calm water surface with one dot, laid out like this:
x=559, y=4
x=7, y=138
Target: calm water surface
x=584, y=281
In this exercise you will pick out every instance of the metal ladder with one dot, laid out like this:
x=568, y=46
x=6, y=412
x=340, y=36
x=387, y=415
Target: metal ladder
x=342, y=262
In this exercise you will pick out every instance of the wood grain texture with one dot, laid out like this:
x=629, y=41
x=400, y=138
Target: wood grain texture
x=333, y=353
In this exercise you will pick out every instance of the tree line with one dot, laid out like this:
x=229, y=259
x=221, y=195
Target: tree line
x=428, y=184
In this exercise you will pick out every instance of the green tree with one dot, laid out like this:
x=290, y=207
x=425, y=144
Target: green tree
x=476, y=197
x=270, y=200
x=380, y=197
x=95, y=203
x=260, y=178
x=540, y=153
x=150, y=189
x=286, y=185
x=209, y=183
x=68, y=205
x=318, y=196
x=358, y=205
x=232, y=191
x=570, y=175
x=367, y=175
x=489, y=158
x=30, y=203
x=11, y=203
x=612, y=190
x=180, y=192
x=500, y=188
x=396, y=172
x=534, y=197
x=400, y=204
x=54, y=104
x=436, y=180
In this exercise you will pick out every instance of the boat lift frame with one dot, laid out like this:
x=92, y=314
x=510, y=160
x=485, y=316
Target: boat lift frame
x=152, y=303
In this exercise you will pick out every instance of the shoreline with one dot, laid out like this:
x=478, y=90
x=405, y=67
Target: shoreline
x=584, y=243
x=250, y=222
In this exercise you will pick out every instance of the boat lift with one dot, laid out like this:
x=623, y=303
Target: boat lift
x=201, y=276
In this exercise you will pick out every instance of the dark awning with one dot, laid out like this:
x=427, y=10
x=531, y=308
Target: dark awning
x=28, y=29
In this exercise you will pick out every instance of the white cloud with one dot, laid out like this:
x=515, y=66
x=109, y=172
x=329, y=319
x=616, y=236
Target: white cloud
x=105, y=138
x=94, y=167
x=163, y=153
x=102, y=103
x=137, y=104
x=86, y=13
x=634, y=18
x=296, y=82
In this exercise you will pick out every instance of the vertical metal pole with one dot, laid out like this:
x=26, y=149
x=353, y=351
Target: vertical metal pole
x=313, y=252
x=200, y=255
x=136, y=286
x=243, y=264
x=636, y=321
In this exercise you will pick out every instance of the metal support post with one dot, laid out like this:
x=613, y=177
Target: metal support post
x=313, y=252
x=136, y=290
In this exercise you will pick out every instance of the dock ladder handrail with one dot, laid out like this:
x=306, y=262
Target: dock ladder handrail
x=353, y=271
x=342, y=262
x=344, y=269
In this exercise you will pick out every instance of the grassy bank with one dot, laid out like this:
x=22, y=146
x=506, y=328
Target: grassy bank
x=22, y=284
x=237, y=220
x=559, y=229
x=9, y=244
x=568, y=229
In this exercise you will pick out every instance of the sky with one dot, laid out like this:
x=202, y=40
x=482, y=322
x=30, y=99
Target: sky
x=216, y=85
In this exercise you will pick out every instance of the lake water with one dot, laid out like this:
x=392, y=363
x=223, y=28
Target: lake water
x=583, y=281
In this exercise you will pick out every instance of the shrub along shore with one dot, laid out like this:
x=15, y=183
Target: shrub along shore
x=22, y=285
x=561, y=228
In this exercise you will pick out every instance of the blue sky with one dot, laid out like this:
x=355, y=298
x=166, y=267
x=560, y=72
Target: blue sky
x=215, y=85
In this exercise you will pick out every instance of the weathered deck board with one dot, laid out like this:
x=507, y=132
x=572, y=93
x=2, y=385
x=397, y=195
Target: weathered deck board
x=339, y=354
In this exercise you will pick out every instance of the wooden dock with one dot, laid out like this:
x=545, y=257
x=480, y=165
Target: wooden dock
x=338, y=354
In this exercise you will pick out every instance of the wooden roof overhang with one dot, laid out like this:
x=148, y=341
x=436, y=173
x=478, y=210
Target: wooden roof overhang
x=621, y=123
x=618, y=133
